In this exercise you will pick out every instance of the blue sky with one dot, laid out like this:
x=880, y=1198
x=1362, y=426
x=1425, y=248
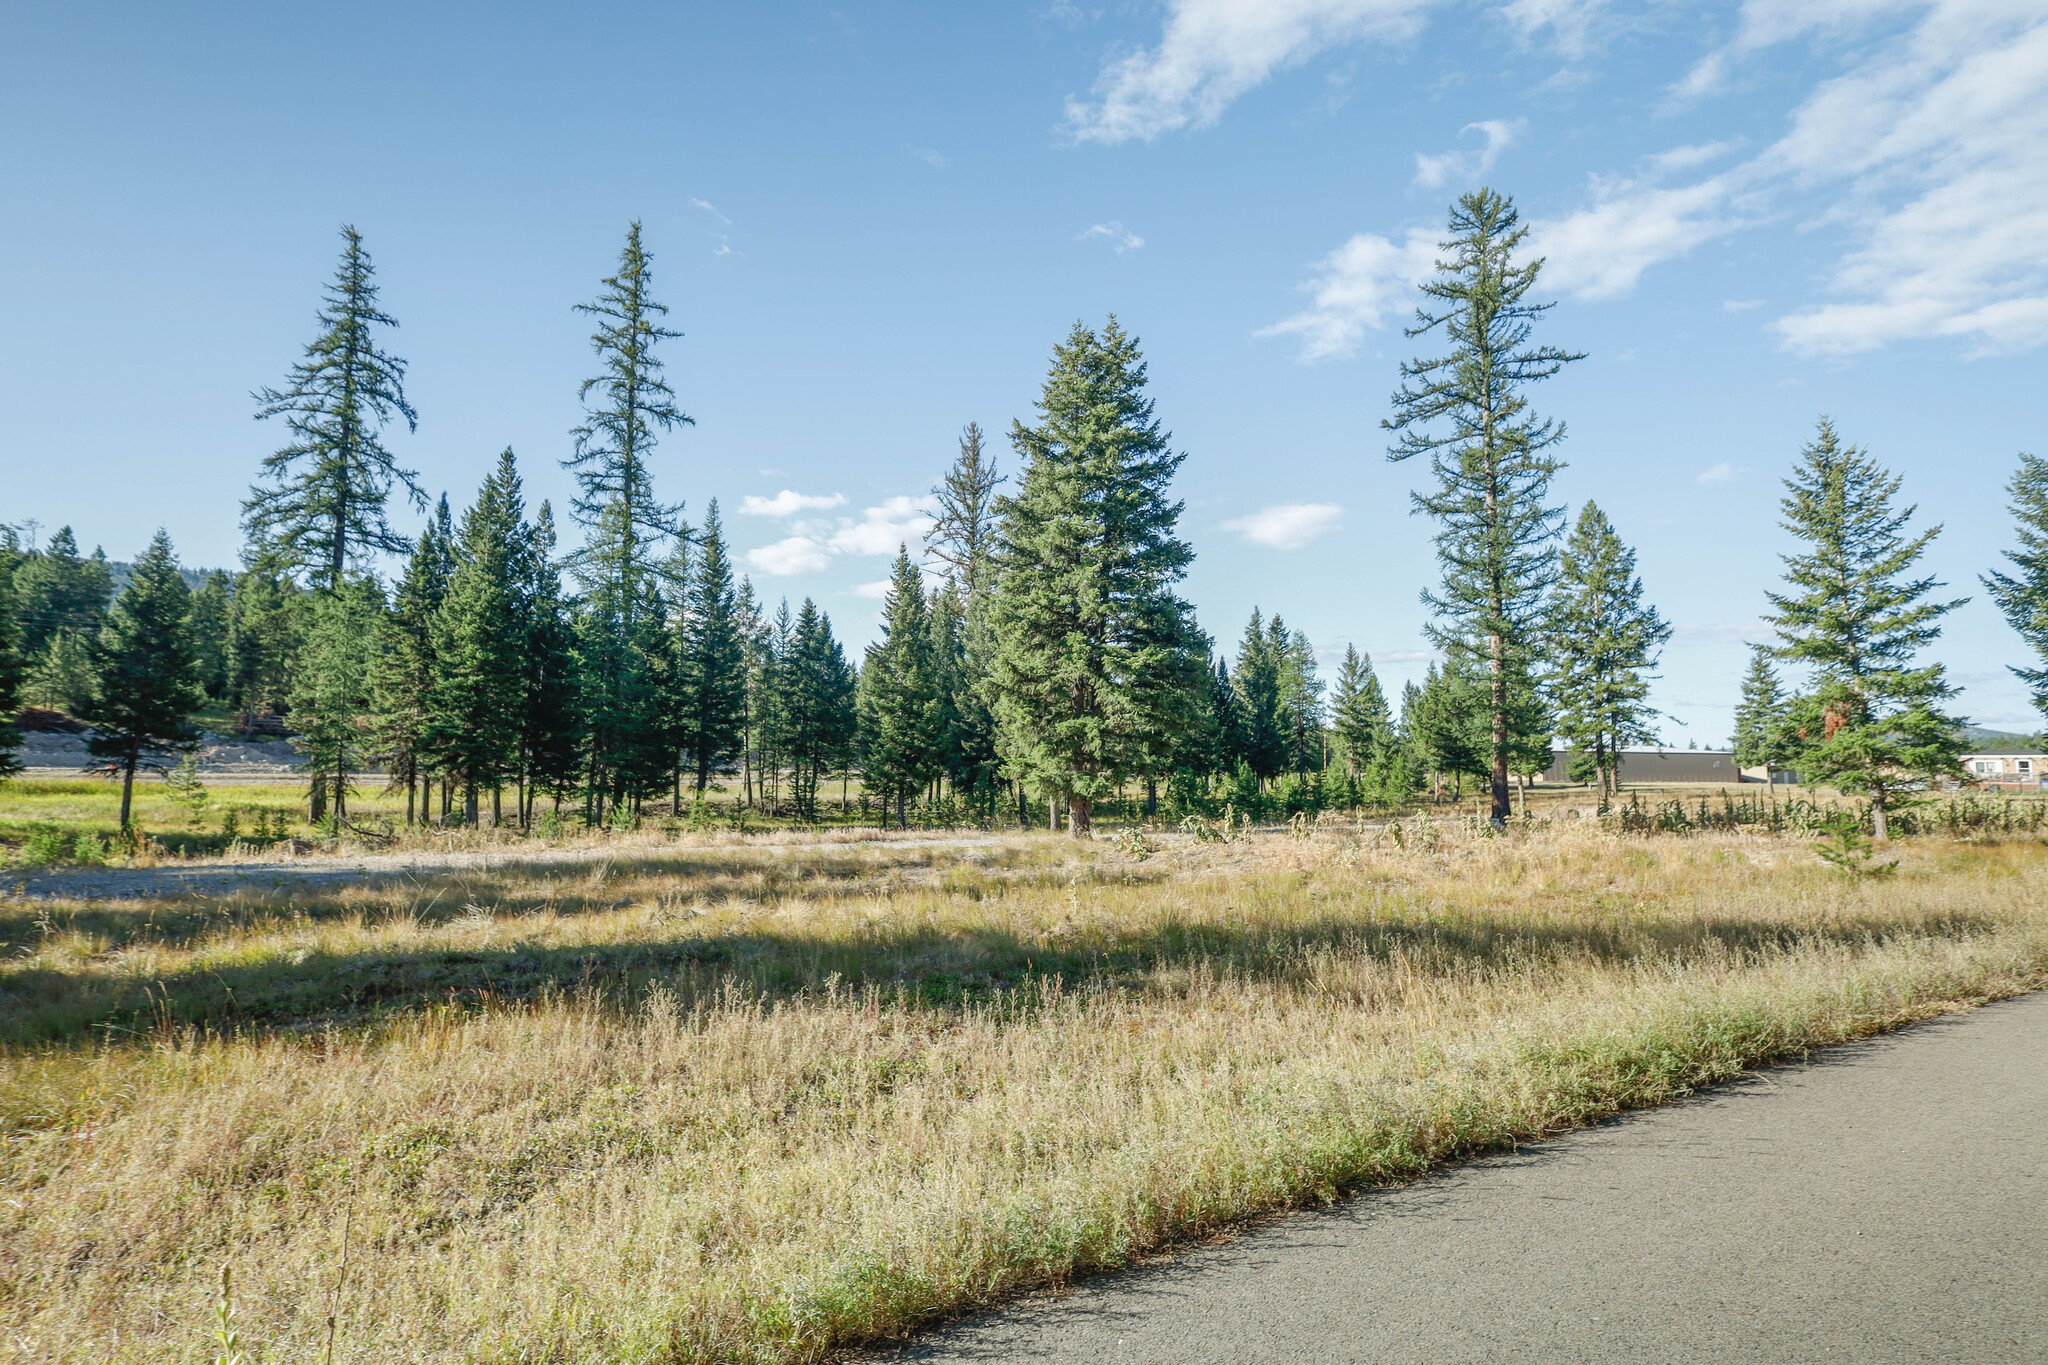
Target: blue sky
x=873, y=222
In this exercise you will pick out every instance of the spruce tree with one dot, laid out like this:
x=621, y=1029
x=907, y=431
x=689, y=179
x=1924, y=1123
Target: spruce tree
x=962, y=535
x=211, y=608
x=1364, y=728
x=265, y=627
x=321, y=510
x=1868, y=720
x=550, y=725
x=817, y=706
x=624, y=651
x=712, y=665
x=13, y=669
x=1264, y=728
x=1604, y=644
x=57, y=590
x=146, y=683
x=1301, y=703
x=2023, y=597
x=480, y=642
x=1467, y=411
x=1760, y=735
x=900, y=704
x=404, y=673
x=1096, y=659
x=333, y=695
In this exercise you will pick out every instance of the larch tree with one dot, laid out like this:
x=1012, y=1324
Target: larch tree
x=146, y=683
x=627, y=406
x=1604, y=643
x=2023, y=595
x=712, y=667
x=319, y=507
x=1468, y=412
x=1868, y=720
x=1097, y=660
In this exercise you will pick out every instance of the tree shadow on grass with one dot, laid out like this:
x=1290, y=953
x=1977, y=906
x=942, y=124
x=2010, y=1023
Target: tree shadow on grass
x=288, y=991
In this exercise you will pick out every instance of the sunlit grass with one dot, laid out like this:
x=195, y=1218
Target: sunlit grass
x=722, y=1103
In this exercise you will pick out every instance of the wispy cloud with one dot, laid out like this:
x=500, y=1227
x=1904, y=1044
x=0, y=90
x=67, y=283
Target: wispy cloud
x=1740, y=305
x=1725, y=632
x=1720, y=473
x=1213, y=51
x=930, y=156
x=712, y=209
x=1115, y=233
x=881, y=530
x=876, y=590
x=789, y=502
x=1466, y=166
x=1288, y=526
x=1356, y=287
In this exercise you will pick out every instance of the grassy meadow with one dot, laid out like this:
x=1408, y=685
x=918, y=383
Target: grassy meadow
x=717, y=1102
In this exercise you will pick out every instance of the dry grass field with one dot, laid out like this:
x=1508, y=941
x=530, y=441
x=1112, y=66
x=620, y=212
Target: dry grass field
x=723, y=1103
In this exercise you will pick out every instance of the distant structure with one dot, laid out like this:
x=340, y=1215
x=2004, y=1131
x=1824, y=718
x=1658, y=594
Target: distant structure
x=2009, y=770
x=1671, y=765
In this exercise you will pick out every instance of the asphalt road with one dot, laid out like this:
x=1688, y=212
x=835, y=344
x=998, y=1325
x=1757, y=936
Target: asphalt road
x=1886, y=1202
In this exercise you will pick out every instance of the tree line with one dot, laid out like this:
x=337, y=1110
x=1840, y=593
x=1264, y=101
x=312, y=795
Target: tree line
x=1034, y=649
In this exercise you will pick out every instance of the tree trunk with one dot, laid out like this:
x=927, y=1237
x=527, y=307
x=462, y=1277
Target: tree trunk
x=1151, y=797
x=469, y=803
x=316, y=802
x=497, y=805
x=1080, y=817
x=1052, y=813
x=1880, y=826
x=127, y=789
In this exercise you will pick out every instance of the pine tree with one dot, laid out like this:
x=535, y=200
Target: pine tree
x=1263, y=739
x=2024, y=598
x=58, y=590
x=480, y=641
x=1449, y=727
x=550, y=726
x=333, y=698
x=1301, y=703
x=962, y=535
x=713, y=665
x=1760, y=735
x=1870, y=720
x=265, y=627
x=323, y=509
x=901, y=709
x=1363, y=726
x=1495, y=537
x=13, y=668
x=624, y=650
x=817, y=707
x=1096, y=658
x=403, y=678
x=146, y=686
x=1604, y=643
x=212, y=606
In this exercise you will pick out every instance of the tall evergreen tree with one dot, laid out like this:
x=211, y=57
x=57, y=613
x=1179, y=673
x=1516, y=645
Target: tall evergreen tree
x=1760, y=734
x=146, y=687
x=550, y=725
x=59, y=590
x=480, y=643
x=1264, y=727
x=1096, y=660
x=333, y=697
x=1448, y=725
x=265, y=628
x=901, y=707
x=1869, y=721
x=321, y=507
x=2023, y=597
x=962, y=535
x=212, y=606
x=817, y=706
x=1301, y=703
x=1468, y=412
x=405, y=670
x=1360, y=718
x=13, y=668
x=1604, y=643
x=713, y=664
x=621, y=632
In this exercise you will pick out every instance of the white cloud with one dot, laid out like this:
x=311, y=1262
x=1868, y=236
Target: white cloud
x=1213, y=51
x=882, y=530
x=1725, y=632
x=1601, y=251
x=1720, y=473
x=1432, y=171
x=1120, y=237
x=712, y=209
x=930, y=156
x=1288, y=526
x=1354, y=288
x=1571, y=21
x=876, y=590
x=1740, y=305
x=798, y=554
x=789, y=502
